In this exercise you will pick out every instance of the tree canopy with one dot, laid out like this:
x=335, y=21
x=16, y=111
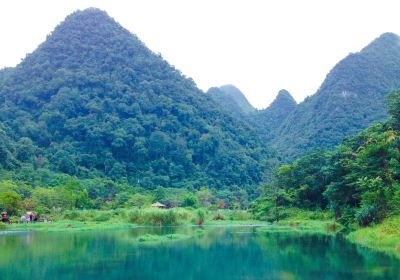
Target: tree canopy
x=94, y=101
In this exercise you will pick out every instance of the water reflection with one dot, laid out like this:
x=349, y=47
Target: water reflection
x=220, y=253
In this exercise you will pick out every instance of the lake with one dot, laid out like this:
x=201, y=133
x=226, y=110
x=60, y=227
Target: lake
x=220, y=253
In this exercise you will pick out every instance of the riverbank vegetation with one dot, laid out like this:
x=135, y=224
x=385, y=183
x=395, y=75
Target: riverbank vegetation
x=148, y=216
x=359, y=181
x=357, y=185
x=384, y=237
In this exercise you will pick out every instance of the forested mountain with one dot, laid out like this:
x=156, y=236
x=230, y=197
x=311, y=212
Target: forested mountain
x=233, y=100
x=358, y=180
x=94, y=101
x=350, y=99
x=268, y=121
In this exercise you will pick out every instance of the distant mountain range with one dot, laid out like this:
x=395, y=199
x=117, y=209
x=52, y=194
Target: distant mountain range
x=350, y=99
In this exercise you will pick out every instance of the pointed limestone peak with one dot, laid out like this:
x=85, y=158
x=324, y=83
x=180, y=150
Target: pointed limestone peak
x=280, y=108
x=88, y=37
x=283, y=100
x=234, y=94
x=284, y=95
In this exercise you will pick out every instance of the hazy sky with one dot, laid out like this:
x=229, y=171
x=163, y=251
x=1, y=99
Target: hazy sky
x=259, y=46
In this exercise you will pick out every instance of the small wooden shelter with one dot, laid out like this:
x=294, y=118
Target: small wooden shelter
x=158, y=205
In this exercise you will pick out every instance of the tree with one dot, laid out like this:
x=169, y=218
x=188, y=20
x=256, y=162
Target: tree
x=140, y=200
x=10, y=202
x=190, y=201
x=204, y=196
x=393, y=103
x=270, y=203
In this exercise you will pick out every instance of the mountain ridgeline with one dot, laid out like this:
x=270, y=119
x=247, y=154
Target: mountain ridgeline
x=94, y=101
x=233, y=100
x=268, y=120
x=351, y=98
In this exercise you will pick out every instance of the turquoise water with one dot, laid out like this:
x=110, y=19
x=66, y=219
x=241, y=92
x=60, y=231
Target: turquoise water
x=220, y=253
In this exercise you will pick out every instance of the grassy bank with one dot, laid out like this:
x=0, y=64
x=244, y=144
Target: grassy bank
x=124, y=218
x=67, y=225
x=298, y=220
x=384, y=237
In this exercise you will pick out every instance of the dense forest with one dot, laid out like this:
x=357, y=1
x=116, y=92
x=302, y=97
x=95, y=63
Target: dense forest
x=359, y=180
x=93, y=101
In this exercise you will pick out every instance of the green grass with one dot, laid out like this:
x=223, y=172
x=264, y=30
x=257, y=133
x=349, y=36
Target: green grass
x=298, y=220
x=162, y=238
x=74, y=220
x=152, y=238
x=68, y=225
x=384, y=237
x=233, y=222
x=306, y=226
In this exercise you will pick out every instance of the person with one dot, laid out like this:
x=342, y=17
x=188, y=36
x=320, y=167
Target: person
x=31, y=217
x=23, y=219
x=4, y=218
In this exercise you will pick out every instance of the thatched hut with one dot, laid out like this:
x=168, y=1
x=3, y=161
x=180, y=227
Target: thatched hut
x=158, y=205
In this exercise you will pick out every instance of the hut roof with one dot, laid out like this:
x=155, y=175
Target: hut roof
x=158, y=204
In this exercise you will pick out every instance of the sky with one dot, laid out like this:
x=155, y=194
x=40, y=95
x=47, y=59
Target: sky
x=258, y=46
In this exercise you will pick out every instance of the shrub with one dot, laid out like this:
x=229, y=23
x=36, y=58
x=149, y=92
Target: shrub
x=347, y=217
x=162, y=217
x=72, y=215
x=134, y=216
x=240, y=215
x=154, y=216
x=102, y=217
x=219, y=216
x=190, y=200
x=11, y=202
x=201, y=216
x=366, y=215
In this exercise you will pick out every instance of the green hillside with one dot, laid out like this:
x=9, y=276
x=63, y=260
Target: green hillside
x=94, y=101
x=233, y=100
x=359, y=180
x=350, y=99
x=268, y=121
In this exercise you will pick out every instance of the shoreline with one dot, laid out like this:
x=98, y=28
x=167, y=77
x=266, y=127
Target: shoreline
x=384, y=238
x=72, y=225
